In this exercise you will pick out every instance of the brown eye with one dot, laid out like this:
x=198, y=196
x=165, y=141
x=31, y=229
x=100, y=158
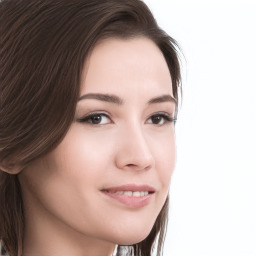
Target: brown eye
x=156, y=119
x=160, y=119
x=97, y=119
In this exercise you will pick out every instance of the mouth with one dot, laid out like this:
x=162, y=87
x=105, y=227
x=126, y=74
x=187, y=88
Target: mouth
x=133, y=196
x=129, y=193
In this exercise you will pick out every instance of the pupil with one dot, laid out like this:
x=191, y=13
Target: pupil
x=156, y=119
x=96, y=119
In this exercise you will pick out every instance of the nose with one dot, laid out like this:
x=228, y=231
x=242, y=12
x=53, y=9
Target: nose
x=133, y=150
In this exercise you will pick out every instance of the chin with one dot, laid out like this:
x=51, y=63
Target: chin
x=134, y=240
x=131, y=240
x=132, y=236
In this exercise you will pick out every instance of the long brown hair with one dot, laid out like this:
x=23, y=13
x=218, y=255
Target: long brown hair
x=44, y=45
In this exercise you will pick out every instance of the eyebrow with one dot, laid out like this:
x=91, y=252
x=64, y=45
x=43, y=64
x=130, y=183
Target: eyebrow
x=116, y=100
x=102, y=97
x=163, y=98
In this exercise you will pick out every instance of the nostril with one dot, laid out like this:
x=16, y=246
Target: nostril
x=147, y=167
x=138, y=167
x=131, y=165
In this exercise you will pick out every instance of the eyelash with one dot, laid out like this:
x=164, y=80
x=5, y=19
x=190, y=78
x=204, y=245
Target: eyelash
x=87, y=118
x=165, y=116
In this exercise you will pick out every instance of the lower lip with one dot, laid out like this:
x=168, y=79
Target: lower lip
x=131, y=201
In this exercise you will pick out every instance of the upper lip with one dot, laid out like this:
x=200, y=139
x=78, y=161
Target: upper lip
x=130, y=187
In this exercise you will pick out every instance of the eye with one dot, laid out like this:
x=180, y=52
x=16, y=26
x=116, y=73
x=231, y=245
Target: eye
x=96, y=119
x=160, y=119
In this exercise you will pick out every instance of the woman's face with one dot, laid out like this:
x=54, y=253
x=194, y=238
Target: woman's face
x=109, y=177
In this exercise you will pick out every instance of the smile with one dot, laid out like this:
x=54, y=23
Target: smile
x=132, y=196
x=131, y=193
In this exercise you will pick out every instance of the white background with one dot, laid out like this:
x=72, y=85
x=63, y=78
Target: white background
x=213, y=190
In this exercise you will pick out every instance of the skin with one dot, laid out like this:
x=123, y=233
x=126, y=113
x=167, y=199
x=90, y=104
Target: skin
x=66, y=212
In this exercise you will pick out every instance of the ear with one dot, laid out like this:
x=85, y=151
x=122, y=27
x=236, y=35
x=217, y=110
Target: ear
x=14, y=169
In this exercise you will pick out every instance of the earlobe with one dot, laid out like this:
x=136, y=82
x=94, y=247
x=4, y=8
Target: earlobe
x=12, y=170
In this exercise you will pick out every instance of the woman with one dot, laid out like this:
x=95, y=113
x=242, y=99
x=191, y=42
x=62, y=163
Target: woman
x=89, y=94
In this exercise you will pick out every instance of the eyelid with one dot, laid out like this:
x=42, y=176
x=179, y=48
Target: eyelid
x=167, y=116
x=163, y=113
x=90, y=114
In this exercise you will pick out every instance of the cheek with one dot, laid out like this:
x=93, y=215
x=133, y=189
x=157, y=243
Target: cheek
x=164, y=151
x=165, y=167
x=82, y=154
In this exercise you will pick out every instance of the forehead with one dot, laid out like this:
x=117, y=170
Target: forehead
x=135, y=64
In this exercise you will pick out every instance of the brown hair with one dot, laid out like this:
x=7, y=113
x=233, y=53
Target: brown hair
x=44, y=45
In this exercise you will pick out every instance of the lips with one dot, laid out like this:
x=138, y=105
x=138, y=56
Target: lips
x=130, y=195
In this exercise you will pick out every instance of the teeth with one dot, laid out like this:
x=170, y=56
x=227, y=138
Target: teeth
x=130, y=193
x=137, y=194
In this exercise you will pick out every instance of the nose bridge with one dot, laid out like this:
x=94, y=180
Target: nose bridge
x=133, y=150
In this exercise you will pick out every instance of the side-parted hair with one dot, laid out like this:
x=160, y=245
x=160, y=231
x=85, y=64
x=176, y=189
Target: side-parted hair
x=43, y=47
